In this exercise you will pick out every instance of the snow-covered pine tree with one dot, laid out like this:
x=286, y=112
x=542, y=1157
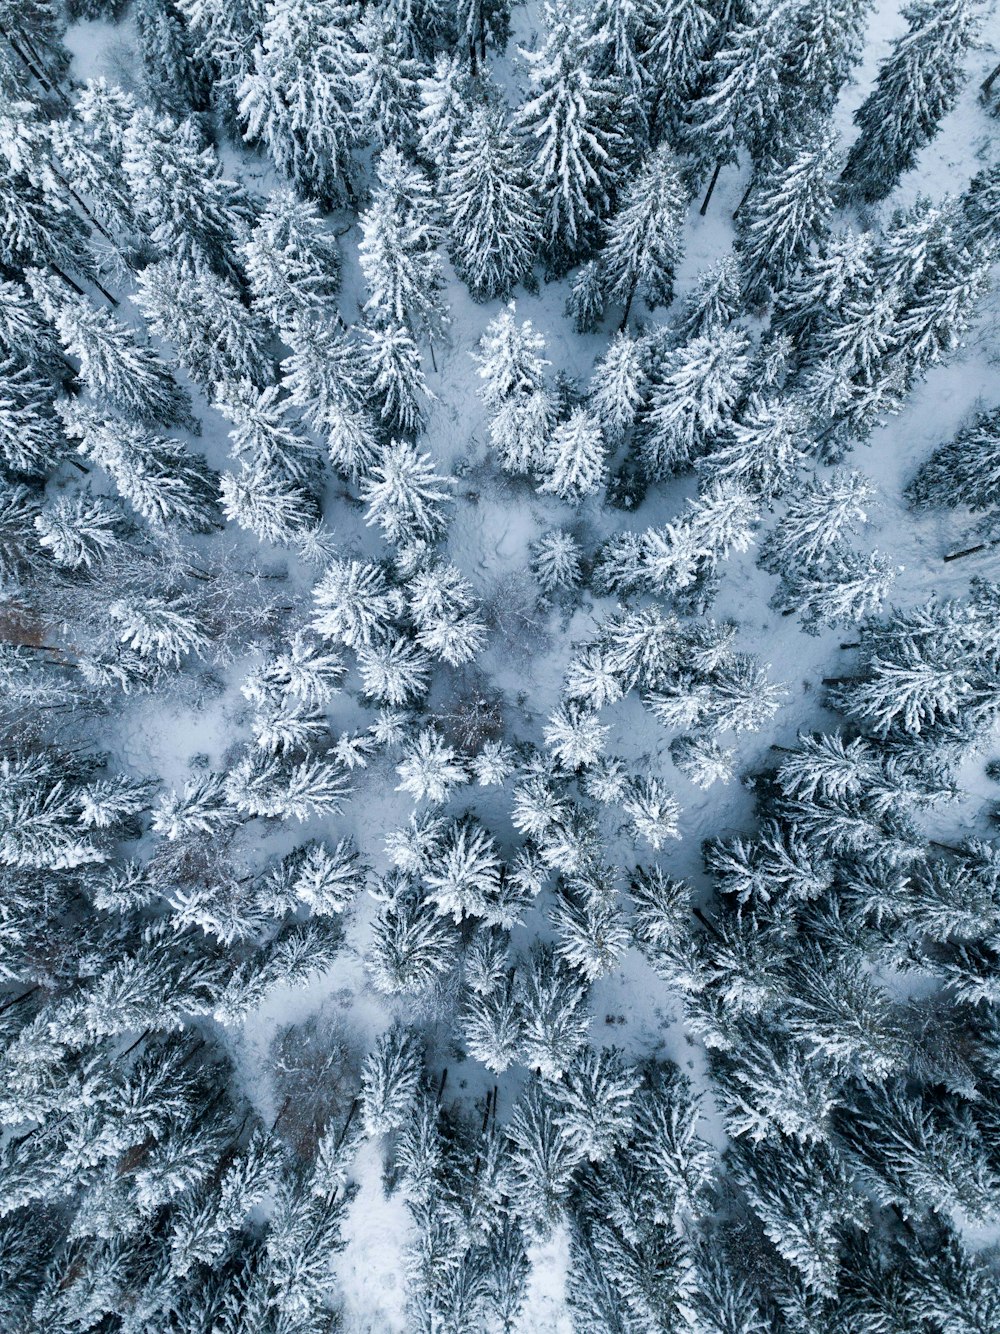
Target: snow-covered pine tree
x=690, y=400
x=740, y=104
x=298, y=98
x=390, y=1081
x=492, y=1025
x=554, y=1015
x=117, y=370
x=817, y=518
x=520, y=430
x=762, y=451
x=164, y=483
x=573, y=459
x=825, y=44
x=412, y=946
x=586, y=301
x=398, y=249
x=493, y=218
x=430, y=768
x=556, y=561
x=678, y=43
x=215, y=336
x=404, y=495
x=917, y=84
x=509, y=360
x=194, y=216
x=643, y=242
x=385, y=80
x=292, y=261
x=444, y=105
x=269, y=503
x=80, y=531
x=787, y=213
x=263, y=435
x=391, y=363
x=964, y=471
x=355, y=603
x=576, y=150
x=844, y=589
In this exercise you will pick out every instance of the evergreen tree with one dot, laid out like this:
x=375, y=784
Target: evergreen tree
x=158, y=478
x=788, y=212
x=386, y=81
x=573, y=459
x=556, y=561
x=965, y=471
x=509, y=359
x=492, y=1025
x=917, y=86
x=389, y=1081
x=412, y=947
x=698, y=388
x=398, y=388
x=194, y=216
x=399, y=236
x=616, y=389
x=643, y=245
x=841, y=591
x=555, y=1021
x=404, y=495
x=575, y=149
x=215, y=336
x=492, y=214
x=542, y=1160
x=763, y=450
x=444, y=106
x=292, y=261
x=128, y=378
x=586, y=300
x=298, y=98
x=714, y=303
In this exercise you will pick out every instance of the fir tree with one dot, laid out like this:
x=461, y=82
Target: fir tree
x=399, y=237
x=492, y=1025
x=575, y=150
x=404, y=495
x=412, y=947
x=917, y=85
x=292, y=261
x=697, y=389
x=392, y=364
x=444, y=106
x=555, y=1021
x=542, y=1159
x=556, y=561
x=616, y=389
x=509, y=361
x=298, y=99
x=389, y=1081
x=386, y=81
x=573, y=460
x=492, y=215
x=586, y=300
x=643, y=245
x=128, y=378
x=787, y=213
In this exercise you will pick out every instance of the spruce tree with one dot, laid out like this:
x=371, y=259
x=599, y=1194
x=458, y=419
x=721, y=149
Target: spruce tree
x=575, y=150
x=917, y=86
x=492, y=214
x=643, y=245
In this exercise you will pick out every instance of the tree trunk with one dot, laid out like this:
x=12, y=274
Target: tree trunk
x=708, y=925
x=746, y=195
x=789, y=611
x=852, y=643
x=628, y=304
x=969, y=551
x=987, y=84
x=840, y=680
x=473, y=58
x=67, y=280
x=711, y=186
x=16, y=1000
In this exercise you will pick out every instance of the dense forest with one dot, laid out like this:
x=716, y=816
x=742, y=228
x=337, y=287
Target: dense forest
x=500, y=664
